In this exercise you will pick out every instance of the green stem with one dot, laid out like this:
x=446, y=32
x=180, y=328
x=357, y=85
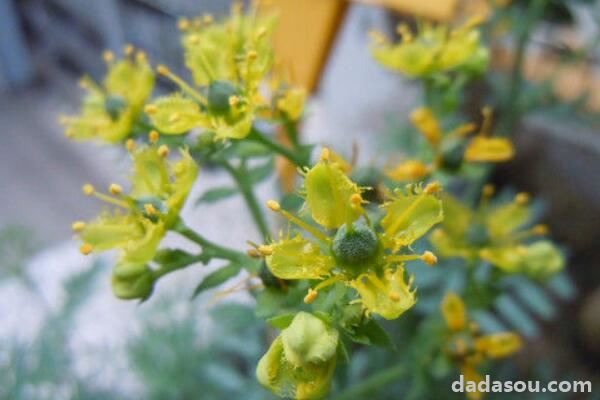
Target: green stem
x=209, y=249
x=186, y=261
x=247, y=192
x=277, y=148
x=374, y=382
x=511, y=109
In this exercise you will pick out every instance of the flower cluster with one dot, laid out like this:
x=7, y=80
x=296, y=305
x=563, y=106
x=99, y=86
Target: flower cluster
x=352, y=249
x=467, y=347
x=433, y=50
x=499, y=233
x=111, y=110
x=449, y=151
x=140, y=218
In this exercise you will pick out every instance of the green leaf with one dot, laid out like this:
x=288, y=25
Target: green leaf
x=281, y=321
x=261, y=172
x=371, y=333
x=216, y=278
x=214, y=195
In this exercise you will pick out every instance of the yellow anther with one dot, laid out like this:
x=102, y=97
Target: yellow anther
x=356, y=200
x=394, y=296
x=150, y=109
x=174, y=117
x=325, y=154
x=194, y=39
x=83, y=83
x=128, y=49
x=429, y=258
x=141, y=57
x=115, y=189
x=377, y=37
x=234, y=101
x=273, y=205
x=252, y=55
x=70, y=133
x=461, y=346
x=485, y=254
x=163, y=70
x=150, y=209
x=85, y=249
x=130, y=145
x=207, y=19
x=163, y=151
x=540, y=229
x=311, y=296
x=404, y=31
x=153, y=136
x=253, y=253
x=108, y=56
x=522, y=198
x=432, y=188
x=488, y=190
x=522, y=250
x=78, y=226
x=88, y=189
x=265, y=250
x=183, y=24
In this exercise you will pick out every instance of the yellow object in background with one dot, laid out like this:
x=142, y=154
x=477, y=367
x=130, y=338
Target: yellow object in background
x=438, y=10
x=303, y=37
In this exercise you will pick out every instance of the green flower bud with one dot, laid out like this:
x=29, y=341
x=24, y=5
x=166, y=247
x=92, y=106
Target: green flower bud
x=356, y=248
x=453, y=152
x=114, y=105
x=219, y=94
x=308, y=340
x=301, y=361
x=477, y=235
x=132, y=281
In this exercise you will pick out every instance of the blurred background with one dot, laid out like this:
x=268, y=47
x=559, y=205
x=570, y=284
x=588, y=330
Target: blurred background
x=63, y=335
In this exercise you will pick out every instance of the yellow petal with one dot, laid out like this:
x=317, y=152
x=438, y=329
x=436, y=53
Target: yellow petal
x=298, y=258
x=175, y=114
x=424, y=120
x=388, y=295
x=150, y=176
x=409, y=170
x=499, y=345
x=410, y=216
x=292, y=103
x=485, y=149
x=328, y=195
x=454, y=312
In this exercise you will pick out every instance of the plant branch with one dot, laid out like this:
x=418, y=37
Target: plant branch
x=288, y=153
x=374, y=382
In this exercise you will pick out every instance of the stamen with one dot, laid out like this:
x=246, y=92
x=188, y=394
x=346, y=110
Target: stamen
x=405, y=32
x=429, y=258
x=153, y=136
x=265, y=250
x=78, y=226
x=311, y=296
x=488, y=190
x=194, y=39
x=150, y=209
x=207, y=19
x=254, y=253
x=163, y=151
x=85, y=249
x=273, y=205
x=115, y=189
x=108, y=56
x=128, y=50
x=540, y=230
x=141, y=57
x=164, y=71
x=183, y=24
x=394, y=296
x=432, y=188
x=130, y=145
x=377, y=37
x=234, y=101
x=88, y=189
x=252, y=55
x=325, y=154
x=150, y=109
x=522, y=198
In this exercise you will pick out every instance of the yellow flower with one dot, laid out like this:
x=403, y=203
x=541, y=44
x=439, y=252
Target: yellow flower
x=142, y=217
x=110, y=111
x=497, y=233
x=434, y=49
x=292, y=102
x=467, y=347
x=351, y=249
x=301, y=361
x=451, y=149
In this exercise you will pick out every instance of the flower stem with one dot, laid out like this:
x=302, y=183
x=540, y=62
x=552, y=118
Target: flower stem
x=283, y=151
x=209, y=249
x=245, y=188
x=374, y=382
